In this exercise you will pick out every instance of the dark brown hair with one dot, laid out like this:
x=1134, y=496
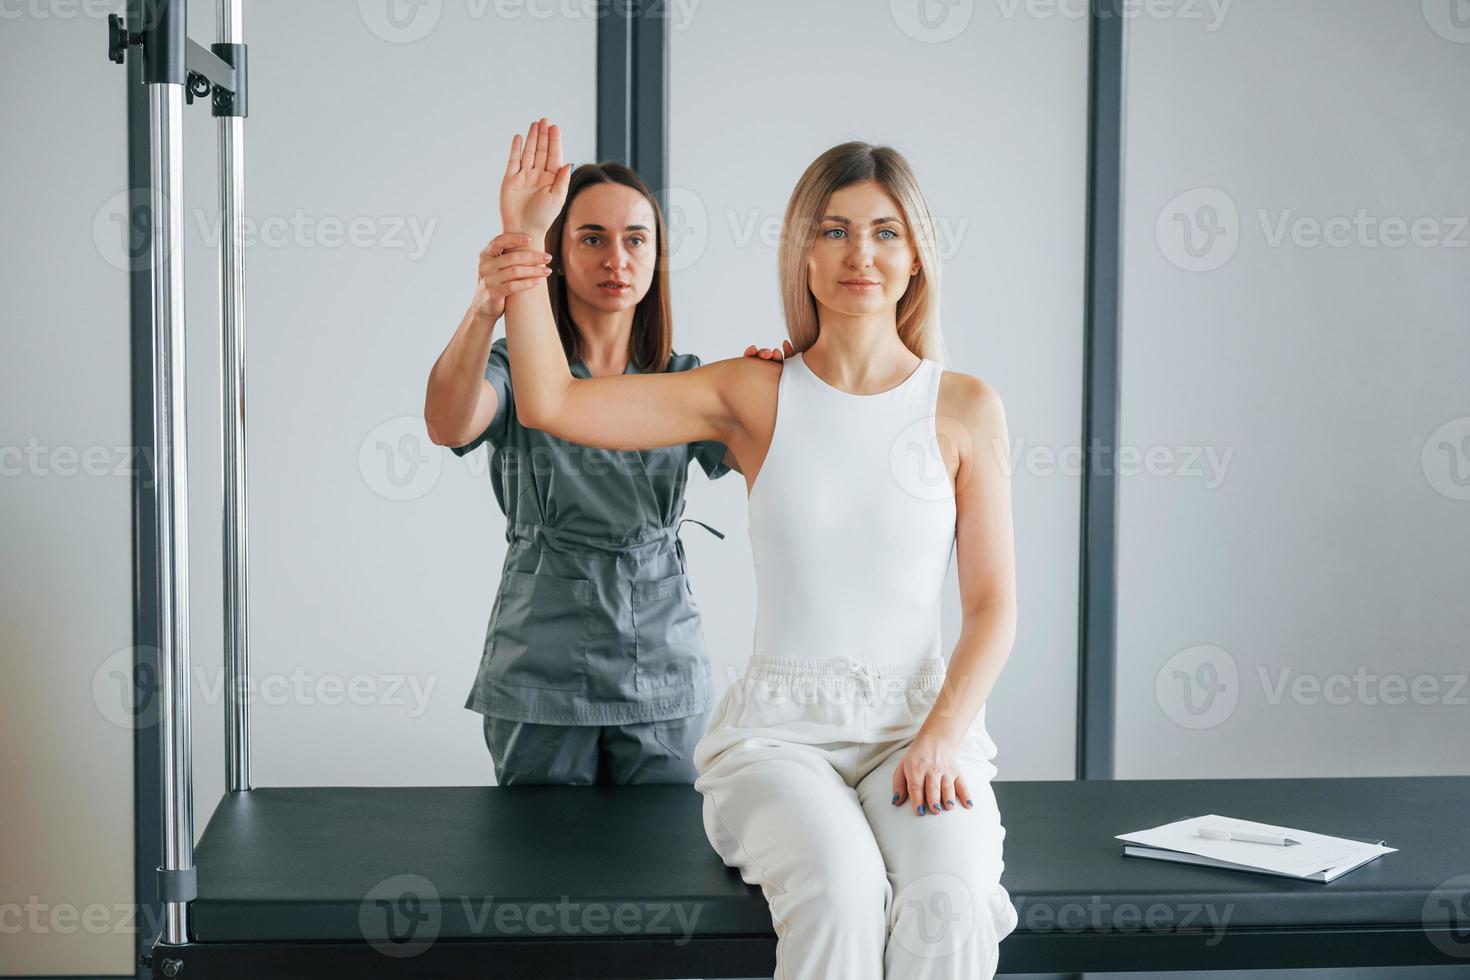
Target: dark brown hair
x=651, y=341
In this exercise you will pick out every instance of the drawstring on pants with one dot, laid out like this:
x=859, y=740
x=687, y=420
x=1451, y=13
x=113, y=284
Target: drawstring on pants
x=866, y=675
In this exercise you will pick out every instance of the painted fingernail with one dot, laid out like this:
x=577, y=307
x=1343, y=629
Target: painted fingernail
x=919, y=809
x=895, y=798
x=969, y=803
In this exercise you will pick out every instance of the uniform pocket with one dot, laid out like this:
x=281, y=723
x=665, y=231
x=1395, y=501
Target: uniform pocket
x=667, y=639
x=678, y=736
x=539, y=637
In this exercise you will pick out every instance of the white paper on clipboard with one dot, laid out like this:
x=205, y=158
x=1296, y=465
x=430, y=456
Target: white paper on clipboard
x=1316, y=854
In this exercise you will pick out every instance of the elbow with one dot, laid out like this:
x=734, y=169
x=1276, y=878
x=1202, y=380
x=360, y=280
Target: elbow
x=541, y=410
x=998, y=617
x=445, y=442
x=437, y=418
x=441, y=433
x=434, y=436
x=1006, y=615
x=533, y=412
x=1008, y=629
x=442, y=430
x=528, y=410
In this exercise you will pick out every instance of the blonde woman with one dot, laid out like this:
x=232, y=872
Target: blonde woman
x=848, y=771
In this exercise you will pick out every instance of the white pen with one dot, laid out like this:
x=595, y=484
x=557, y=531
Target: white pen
x=1220, y=833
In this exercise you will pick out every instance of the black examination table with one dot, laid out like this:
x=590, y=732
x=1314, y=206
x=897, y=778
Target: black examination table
x=620, y=882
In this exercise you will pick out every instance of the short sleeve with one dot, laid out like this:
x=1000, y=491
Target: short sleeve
x=710, y=455
x=497, y=372
x=708, y=452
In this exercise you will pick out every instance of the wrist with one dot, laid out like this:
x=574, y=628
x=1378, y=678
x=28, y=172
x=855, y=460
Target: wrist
x=482, y=315
x=537, y=235
x=942, y=730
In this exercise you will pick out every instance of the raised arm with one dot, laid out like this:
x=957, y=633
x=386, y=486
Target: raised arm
x=460, y=402
x=636, y=411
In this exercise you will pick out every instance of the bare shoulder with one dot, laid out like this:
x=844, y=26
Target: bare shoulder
x=747, y=386
x=744, y=374
x=970, y=424
x=730, y=377
x=970, y=401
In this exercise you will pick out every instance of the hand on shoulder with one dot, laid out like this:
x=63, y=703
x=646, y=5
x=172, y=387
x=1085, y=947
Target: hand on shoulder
x=771, y=353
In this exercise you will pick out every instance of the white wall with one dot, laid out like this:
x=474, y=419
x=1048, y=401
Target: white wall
x=1332, y=544
x=66, y=854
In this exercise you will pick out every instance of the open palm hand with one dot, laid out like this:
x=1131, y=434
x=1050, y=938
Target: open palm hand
x=535, y=184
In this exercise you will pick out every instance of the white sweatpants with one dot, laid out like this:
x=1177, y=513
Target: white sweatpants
x=797, y=770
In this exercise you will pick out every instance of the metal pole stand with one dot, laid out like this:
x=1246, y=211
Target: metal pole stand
x=176, y=70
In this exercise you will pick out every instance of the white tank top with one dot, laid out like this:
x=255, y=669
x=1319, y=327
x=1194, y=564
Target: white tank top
x=852, y=521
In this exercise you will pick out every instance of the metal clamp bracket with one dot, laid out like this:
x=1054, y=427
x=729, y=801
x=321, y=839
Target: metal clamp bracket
x=181, y=885
x=218, y=69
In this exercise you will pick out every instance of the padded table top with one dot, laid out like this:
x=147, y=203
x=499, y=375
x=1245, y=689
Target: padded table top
x=291, y=864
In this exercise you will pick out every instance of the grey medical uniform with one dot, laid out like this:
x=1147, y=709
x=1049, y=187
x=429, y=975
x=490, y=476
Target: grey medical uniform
x=595, y=623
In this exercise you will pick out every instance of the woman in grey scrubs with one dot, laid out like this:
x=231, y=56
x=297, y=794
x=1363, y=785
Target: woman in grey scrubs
x=594, y=668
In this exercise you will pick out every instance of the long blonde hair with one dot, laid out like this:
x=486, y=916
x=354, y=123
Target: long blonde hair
x=851, y=163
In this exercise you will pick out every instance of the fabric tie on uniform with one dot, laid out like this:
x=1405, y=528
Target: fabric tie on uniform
x=718, y=534
x=575, y=542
